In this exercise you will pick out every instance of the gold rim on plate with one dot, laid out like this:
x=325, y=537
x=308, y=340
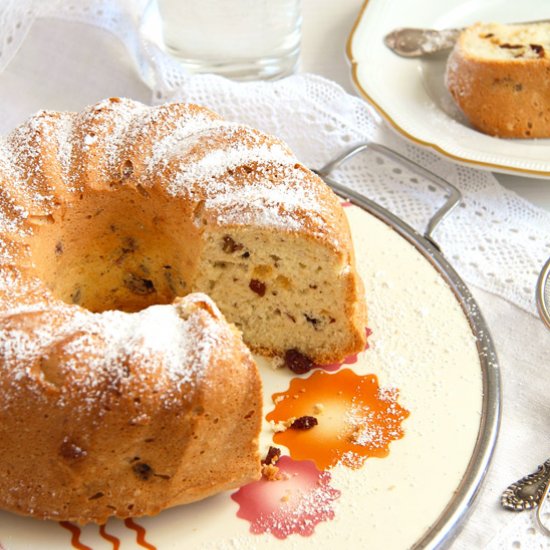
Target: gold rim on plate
x=354, y=68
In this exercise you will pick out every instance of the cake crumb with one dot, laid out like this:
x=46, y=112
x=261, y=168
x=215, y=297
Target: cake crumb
x=272, y=473
x=282, y=425
x=318, y=408
x=276, y=363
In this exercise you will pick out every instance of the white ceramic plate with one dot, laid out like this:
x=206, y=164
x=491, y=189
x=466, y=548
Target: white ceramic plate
x=422, y=343
x=411, y=95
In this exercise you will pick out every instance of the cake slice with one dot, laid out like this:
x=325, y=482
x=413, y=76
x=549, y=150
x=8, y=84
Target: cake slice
x=499, y=76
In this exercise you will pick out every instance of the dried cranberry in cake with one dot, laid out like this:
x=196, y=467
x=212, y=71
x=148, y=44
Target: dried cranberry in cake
x=142, y=470
x=76, y=296
x=138, y=285
x=272, y=456
x=304, y=423
x=298, y=362
x=538, y=49
x=229, y=245
x=311, y=320
x=257, y=286
x=71, y=450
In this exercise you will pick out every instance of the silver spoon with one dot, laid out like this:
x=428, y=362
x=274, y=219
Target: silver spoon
x=532, y=490
x=412, y=42
x=409, y=42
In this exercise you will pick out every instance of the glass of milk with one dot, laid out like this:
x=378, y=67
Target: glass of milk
x=240, y=39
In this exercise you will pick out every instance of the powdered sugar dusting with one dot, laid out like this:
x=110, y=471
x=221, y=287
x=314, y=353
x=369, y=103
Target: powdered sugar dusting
x=109, y=124
x=206, y=156
x=53, y=152
x=242, y=176
x=218, y=161
x=28, y=188
x=187, y=129
x=263, y=199
x=267, y=204
x=65, y=148
x=89, y=140
x=165, y=348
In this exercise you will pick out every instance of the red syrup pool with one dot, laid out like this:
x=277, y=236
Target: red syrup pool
x=294, y=503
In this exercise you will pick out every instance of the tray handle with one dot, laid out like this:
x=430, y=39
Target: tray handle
x=454, y=195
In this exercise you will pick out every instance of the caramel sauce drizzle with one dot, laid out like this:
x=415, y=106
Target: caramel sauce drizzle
x=76, y=532
x=111, y=538
x=140, y=534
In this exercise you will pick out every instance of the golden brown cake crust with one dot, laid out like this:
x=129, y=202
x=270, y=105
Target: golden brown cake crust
x=118, y=397
x=501, y=96
x=133, y=437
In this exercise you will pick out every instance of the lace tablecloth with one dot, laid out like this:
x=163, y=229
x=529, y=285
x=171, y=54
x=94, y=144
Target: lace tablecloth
x=65, y=55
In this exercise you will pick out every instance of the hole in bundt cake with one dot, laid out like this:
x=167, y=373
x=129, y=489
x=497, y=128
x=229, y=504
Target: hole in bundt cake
x=118, y=250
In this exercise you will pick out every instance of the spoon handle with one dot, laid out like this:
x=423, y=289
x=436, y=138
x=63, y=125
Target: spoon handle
x=409, y=42
x=413, y=42
x=528, y=492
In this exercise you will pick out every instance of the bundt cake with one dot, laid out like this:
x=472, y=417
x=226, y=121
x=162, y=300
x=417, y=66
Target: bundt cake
x=122, y=389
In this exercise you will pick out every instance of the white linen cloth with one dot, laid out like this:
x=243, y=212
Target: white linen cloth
x=65, y=55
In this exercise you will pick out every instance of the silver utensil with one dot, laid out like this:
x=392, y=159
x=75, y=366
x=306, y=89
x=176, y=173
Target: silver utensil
x=531, y=491
x=543, y=294
x=412, y=42
x=526, y=493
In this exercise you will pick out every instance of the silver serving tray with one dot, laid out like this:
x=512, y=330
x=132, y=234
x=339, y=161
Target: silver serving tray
x=441, y=533
x=178, y=523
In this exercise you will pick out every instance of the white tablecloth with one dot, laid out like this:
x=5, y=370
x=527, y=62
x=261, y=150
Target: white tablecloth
x=67, y=65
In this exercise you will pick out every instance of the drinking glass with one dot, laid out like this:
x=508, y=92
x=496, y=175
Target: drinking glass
x=240, y=39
